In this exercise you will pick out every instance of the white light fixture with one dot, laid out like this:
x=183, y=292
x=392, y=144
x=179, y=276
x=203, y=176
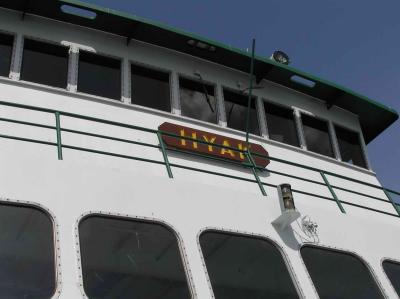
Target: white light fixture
x=201, y=45
x=281, y=57
x=286, y=202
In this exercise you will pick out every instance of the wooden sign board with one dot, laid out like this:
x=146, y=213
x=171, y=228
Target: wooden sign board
x=209, y=149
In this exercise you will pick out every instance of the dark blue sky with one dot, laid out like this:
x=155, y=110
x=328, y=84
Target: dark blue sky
x=354, y=43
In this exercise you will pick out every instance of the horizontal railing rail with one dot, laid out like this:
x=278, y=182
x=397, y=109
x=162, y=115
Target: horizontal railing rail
x=248, y=163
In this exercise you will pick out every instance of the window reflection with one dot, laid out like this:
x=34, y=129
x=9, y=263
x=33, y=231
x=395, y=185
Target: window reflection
x=281, y=124
x=242, y=267
x=236, y=112
x=339, y=275
x=6, y=45
x=45, y=63
x=316, y=134
x=198, y=100
x=99, y=75
x=27, y=268
x=150, y=88
x=130, y=259
x=350, y=147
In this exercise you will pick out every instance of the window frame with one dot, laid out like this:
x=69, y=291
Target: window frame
x=56, y=236
x=196, y=79
x=332, y=139
x=128, y=217
x=153, y=68
x=343, y=251
x=257, y=100
x=285, y=257
x=13, y=51
x=47, y=41
x=106, y=55
x=296, y=125
x=390, y=260
x=362, y=145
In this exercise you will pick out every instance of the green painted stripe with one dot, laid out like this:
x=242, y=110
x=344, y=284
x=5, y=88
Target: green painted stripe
x=165, y=155
x=110, y=138
x=333, y=193
x=260, y=185
x=26, y=123
x=58, y=132
x=112, y=154
x=27, y=140
x=169, y=165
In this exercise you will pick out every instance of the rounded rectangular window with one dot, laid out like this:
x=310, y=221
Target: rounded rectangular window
x=198, y=100
x=27, y=259
x=6, y=46
x=316, y=134
x=123, y=258
x=150, y=88
x=339, y=275
x=392, y=270
x=281, y=124
x=99, y=75
x=350, y=147
x=236, y=112
x=242, y=267
x=45, y=63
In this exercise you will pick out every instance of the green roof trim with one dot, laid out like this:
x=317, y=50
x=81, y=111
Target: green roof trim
x=374, y=116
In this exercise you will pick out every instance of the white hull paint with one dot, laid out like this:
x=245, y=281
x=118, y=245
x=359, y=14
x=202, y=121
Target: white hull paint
x=84, y=183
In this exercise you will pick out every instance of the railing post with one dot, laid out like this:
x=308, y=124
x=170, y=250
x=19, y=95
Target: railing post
x=58, y=130
x=164, y=152
x=253, y=168
x=332, y=192
x=392, y=202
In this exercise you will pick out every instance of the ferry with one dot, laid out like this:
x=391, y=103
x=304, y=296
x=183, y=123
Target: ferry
x=141, y=161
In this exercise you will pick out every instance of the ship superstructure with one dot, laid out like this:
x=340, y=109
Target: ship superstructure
x=125, y=170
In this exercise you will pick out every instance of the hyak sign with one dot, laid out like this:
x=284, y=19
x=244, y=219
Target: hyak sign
x=213, y=139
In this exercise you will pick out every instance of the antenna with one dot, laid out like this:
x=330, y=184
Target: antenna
x=198, y=74
x=250, y=90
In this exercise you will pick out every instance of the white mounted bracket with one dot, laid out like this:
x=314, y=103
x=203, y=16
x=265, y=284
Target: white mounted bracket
x=286, y=203
x=285, y=219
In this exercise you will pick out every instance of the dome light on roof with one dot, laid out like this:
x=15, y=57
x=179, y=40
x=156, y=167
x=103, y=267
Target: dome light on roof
x=281, y=57
x=201, y=45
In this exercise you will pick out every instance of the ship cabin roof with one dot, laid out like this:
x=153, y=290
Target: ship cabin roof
x=374, y=117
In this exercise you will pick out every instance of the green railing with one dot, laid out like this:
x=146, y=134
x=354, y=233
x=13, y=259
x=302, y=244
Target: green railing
x=248, y=164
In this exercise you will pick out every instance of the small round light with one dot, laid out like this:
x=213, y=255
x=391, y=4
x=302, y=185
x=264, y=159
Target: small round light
x=281, y=57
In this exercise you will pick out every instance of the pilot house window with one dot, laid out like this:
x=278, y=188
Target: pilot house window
x=124, y=258
x=150, y=88
x=350, y=147
x=27, y=267
x=236, y=112
x=316, y=134
x=339, y=275
x=242, y=267
x=45, y=63
x=198, y=100
x=99, y=75
x=6, y=45
x=281, y=124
